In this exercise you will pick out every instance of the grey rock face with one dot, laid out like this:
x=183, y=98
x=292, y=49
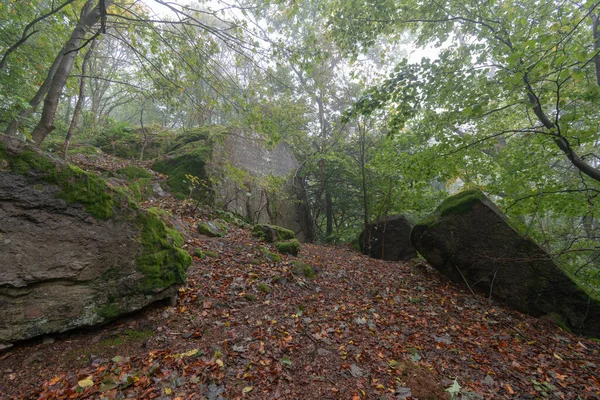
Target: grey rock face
x=388, y=240
x=283, y=202
x=60, y=267
x=473, y=243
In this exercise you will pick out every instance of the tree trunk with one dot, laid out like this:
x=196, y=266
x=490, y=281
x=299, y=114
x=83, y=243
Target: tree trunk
x=13, y=127
x=367, y=237
x=90, y=15
x=596, y=35
x=144, y=135
x=80, y=100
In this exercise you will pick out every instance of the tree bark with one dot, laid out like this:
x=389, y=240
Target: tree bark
x=13, y=127
x=90, y=15
x=80, y=100
x=596, y=35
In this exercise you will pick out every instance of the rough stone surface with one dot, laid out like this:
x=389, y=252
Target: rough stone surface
x=272, y=233
x=282, y=203
x=60, y=267
x=212, y=229
x=469, y=240
x=388, y=240
x=238, y=173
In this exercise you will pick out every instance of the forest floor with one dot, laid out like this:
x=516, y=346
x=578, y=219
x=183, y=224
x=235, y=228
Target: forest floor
x=246, y=326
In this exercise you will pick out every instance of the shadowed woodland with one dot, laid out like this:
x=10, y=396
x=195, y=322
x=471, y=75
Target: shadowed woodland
x=299, y=199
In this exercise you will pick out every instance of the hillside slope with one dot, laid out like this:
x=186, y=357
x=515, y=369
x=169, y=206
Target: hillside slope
x=339, y=326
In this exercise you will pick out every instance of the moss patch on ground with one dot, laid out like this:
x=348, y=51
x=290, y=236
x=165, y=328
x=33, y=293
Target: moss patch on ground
x=134, y=172
x=302, y=268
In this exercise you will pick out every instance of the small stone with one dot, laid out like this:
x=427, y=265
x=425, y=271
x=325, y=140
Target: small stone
x=488, y=380
x=48, y=340
x=356, y=371
x=323, y=352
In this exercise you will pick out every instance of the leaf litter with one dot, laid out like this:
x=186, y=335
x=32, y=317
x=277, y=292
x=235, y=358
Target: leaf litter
x=359, y=329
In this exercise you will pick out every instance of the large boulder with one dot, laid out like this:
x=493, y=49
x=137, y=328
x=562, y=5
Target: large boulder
x=73, y=251
x=470, y=240
x=388, y=239
x=238, y=173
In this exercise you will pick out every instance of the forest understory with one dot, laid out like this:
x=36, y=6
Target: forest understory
x=328, y=324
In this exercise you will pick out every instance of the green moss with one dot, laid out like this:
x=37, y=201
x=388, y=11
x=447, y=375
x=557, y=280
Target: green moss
x=211, y=254
x=162, y=262
x=133, y=172
x=288, y=246
x=460, y=203
x=212, y=229
x=139, y=335
x=109, y=311
x=76, y=185
x=270, y=255
x=250, y=297
x=111, y=273
x=113, y=341
x=199, y=253
x=560, y=321
x=429, y=221
x=263, y=287
x=188, y=160
x=272, y=233
x=141, y=189
x=302, y=268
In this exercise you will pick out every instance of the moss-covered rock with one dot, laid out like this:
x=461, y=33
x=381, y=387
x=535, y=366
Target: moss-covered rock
x=270, y=255
x=470, y=240
x=301, y=268
x=93, y=253
x=212, y=228
x=272, y=233
x=388, y=239
x=188, y=155
x=460, y=203
x=291, y=246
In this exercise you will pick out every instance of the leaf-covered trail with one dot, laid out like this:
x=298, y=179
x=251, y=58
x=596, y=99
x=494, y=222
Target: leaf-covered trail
x=247, y=326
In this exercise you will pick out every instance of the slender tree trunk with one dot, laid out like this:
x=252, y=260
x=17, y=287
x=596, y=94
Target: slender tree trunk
x=90, y=15
x=144, y=135
x=367, y=238
x=13, y=127
x=596, y=33
x=80, y=100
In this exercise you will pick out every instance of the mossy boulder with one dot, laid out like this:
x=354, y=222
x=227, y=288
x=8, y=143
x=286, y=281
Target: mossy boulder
x=212, y=228
x=76, y=251
x=301, y=268
x=291, y=246
x=272, y=233
x=188, y=155
x=388, y=239
x=471, y=241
